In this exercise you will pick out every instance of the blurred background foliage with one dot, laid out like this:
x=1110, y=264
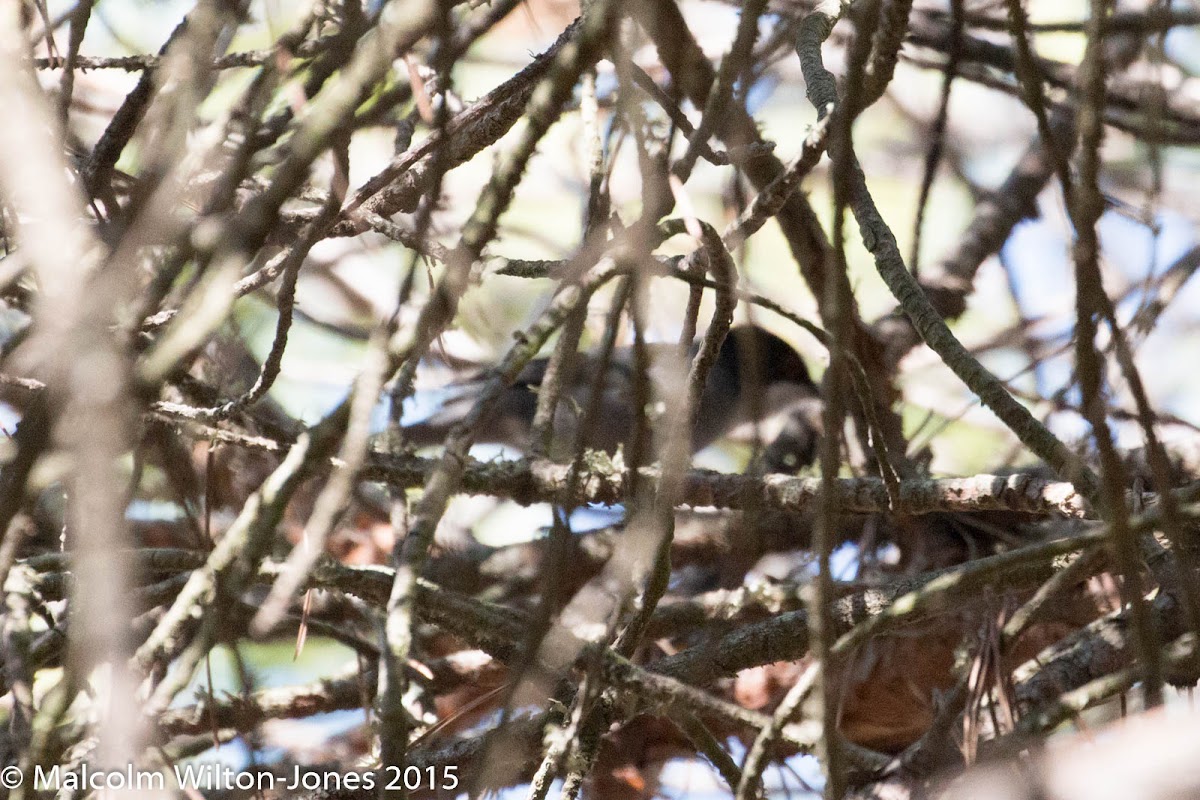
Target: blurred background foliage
x=1150, y=222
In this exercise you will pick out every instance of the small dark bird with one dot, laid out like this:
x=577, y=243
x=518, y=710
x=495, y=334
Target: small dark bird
x=756, y=374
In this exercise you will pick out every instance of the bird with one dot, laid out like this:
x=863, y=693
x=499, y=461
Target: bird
x=756, y=374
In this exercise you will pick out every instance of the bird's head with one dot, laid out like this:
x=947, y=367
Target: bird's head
x=769, y=383
x=755, y=356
